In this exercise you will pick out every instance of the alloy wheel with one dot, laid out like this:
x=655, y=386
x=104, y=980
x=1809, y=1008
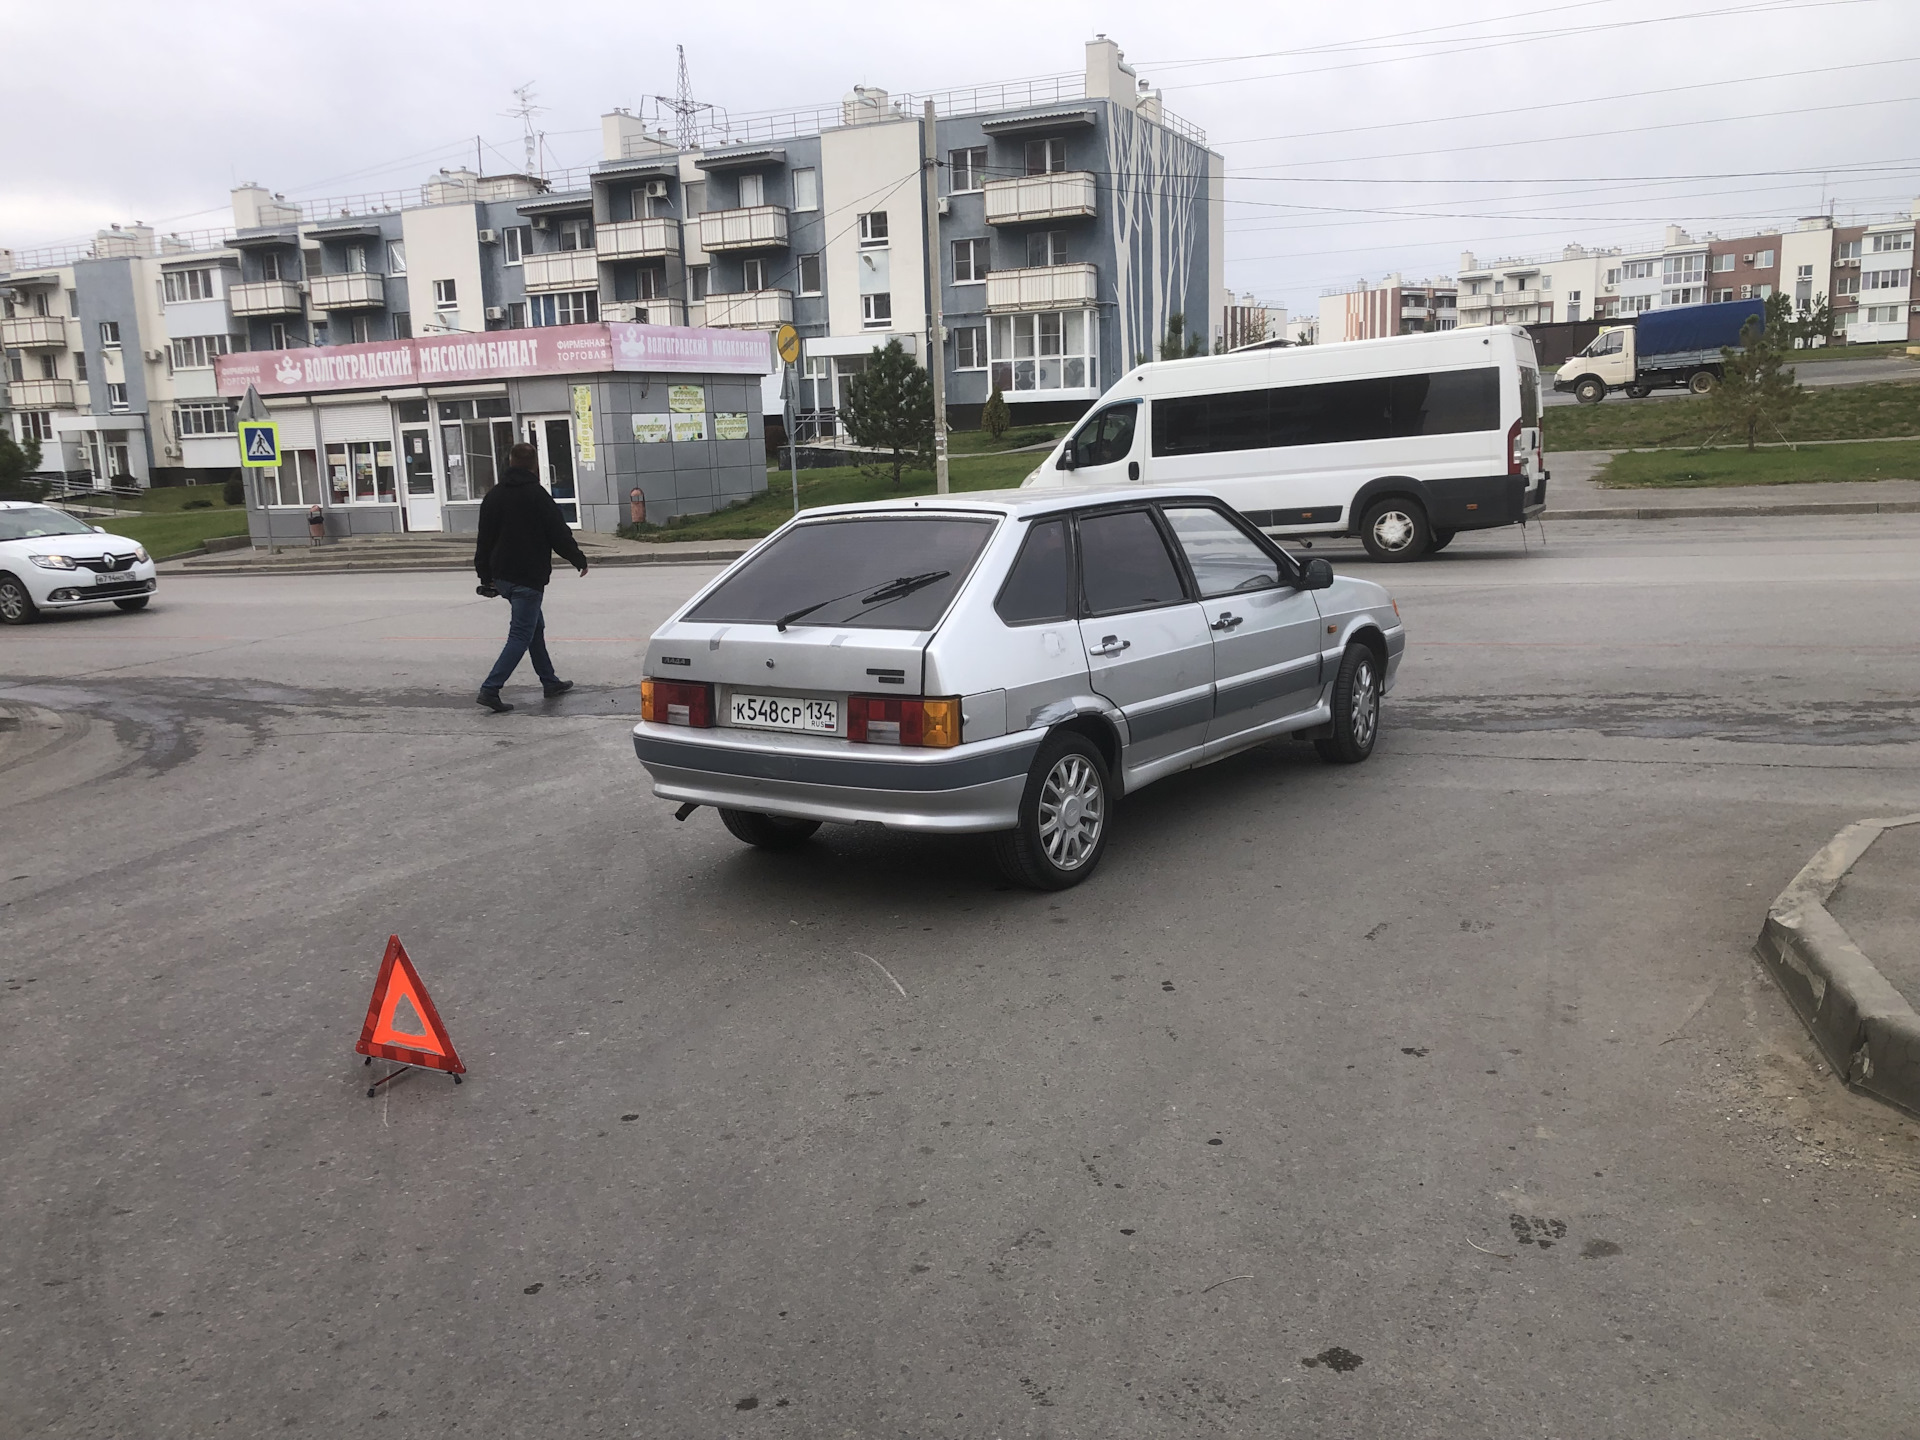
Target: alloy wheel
x=13, y=601
x=1073, y=807
x=1364, y=716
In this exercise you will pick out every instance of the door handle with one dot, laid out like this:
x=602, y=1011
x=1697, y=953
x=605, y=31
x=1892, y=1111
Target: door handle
x=1111, y=645
x=1133, y=470
x=1226, y=621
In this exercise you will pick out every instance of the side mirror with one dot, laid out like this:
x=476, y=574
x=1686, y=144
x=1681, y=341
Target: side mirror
x=1316, y=574
x=99, y=529
x=1069, y=459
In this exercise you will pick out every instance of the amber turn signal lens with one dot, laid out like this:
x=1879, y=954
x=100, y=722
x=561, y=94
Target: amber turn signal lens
x=940, y=723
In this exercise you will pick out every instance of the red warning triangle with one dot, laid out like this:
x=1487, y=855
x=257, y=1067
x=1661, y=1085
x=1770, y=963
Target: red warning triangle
x=401, y=1023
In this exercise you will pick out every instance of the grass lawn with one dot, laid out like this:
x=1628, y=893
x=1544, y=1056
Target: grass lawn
x=1895, y=349
x=1675, y=469
x=175, y=533
x=841, y=485
x=1853, y=412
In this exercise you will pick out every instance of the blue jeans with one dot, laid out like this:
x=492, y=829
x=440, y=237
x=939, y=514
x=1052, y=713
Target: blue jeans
x=526, y=634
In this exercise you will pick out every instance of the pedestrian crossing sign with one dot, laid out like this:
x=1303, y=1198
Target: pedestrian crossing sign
x=259, y=443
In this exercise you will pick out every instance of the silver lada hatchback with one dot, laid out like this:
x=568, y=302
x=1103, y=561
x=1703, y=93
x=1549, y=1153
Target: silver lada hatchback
x=1008, y=662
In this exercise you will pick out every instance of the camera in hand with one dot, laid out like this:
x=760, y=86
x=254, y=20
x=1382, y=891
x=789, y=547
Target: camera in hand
x=486, y=590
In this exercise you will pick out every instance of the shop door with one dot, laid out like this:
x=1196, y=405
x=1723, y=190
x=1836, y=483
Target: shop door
x=422, y=490
x=552, y=436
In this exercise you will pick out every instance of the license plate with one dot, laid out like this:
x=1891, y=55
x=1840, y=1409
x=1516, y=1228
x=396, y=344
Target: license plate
x=123, y=577
x=783, y=712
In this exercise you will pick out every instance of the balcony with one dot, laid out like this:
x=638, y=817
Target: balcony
x=1040, y=197
x=561, y=270
x=644, y=312
x=1047, y=287
x=40, y=394
x=638, y=239
x=265, y=297
x=358, y=291
x=34, y=332
x=758, y=227
x=751, y=309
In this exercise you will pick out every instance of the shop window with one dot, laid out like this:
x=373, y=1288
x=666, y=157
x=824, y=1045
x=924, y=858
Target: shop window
x=297, y=482
x=360, y=472
x=475, y=436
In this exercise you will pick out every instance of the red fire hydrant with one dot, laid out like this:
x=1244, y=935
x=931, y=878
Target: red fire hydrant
x=317, y=524
x=637, y=505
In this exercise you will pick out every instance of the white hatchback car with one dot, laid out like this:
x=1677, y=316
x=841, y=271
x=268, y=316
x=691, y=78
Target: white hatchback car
x=51, y=561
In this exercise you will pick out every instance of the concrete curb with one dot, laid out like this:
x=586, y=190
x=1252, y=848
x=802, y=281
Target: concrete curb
x=1866, y=1028
x=345, y=567
x=1698, y=512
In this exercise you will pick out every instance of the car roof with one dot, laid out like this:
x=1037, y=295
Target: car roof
x=1019, y=504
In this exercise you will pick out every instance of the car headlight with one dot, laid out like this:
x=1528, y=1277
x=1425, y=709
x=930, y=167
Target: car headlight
x=53, y=562
x=140, y=553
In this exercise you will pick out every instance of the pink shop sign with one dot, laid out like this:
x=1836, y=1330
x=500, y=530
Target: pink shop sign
x=681, y=348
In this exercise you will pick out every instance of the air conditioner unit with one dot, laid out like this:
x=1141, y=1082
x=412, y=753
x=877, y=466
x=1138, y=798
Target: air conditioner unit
x=944, y=204
x=495, y=312
x=656, y=189
x=171, y=451
x=156, y=356
x=489, y=237
x=541, y=222
x=1746, y=259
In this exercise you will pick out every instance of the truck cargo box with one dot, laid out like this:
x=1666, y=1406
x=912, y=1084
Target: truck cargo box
x=1686, y=329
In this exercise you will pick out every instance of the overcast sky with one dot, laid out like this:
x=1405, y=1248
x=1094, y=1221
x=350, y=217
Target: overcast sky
x=1358, y=139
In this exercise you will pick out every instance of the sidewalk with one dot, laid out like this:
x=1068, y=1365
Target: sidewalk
x=1572, y=495
x=438, y=552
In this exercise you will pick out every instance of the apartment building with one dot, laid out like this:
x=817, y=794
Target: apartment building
x=1253, y=322
x=1864, y=271
x=1075, y=218
x=1393, y=307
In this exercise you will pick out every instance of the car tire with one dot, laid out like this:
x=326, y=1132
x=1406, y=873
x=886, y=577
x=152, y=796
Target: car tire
x=1703, y=382
x=1066, y=812
x=1396, y=530
x=1590, y=391
x=133, y=602
x=1639, y=392
x=1356, y=708
x=16, y=605
x=768, y=832
x=1441, y=539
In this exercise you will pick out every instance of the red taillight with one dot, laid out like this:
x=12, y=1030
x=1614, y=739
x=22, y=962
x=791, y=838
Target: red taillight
x=1516, y=459
x=677, y=702
x=897, y=720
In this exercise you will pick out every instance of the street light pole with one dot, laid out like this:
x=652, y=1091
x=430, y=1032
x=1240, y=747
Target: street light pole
x=936, y=321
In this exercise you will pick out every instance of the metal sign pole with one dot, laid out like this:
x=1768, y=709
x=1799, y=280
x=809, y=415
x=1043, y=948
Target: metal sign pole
x=936, y=326
x=793, y=442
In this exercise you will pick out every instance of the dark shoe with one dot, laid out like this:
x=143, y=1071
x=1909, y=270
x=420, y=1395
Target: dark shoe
x=491, y=699
x=556, y=689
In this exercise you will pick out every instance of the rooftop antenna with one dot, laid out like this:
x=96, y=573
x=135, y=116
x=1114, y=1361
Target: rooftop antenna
x=685, y=108
x=524, y=113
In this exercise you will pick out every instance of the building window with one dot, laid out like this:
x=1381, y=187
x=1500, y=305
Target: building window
x=1046, y=157
x=969, y=261
x=1499, y=287
x=198, y=352
x=356, y=260
x=873, y=229
x=968, y=169
x=1846, y=285
x=1847, y=250
x=1637, y=270
x=809, y=274
x=1687, y=295
x=753, y=274
x=396, y=257
x=696, y=283
x=576, y=234
x=36, y=425
x=277, y=337
x=1046, y=247
x=569, y=307
x=319, y=332
x=1882, y=314
x=649, y=283
x=180, y=285
x=970, y=347
x=402, y=325
x=1886, y=279
x=1721, y=296
x=360, y=472
x=806, y=189
x=517, y=315
x=876, y=311
x=1683, y=269
x=269, y=265
x=210, y=418
x=1050, y=350
x=296, y=482
x=446, y=295
x=109, y=332
x=119, y=456
x=513, y=241
x=475, y=436
x=1636, y=304
x=1763, y=260
x=117, y=398
x=1901, y=241
x=362, y=331
x=48, y=370
x=753, y=190
x=80, y=365
x=1763, y=292
x=1805, y=272
x=1722, y=263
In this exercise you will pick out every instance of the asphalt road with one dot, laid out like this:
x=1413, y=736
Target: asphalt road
x=1438, y=1097
x=1814, y=374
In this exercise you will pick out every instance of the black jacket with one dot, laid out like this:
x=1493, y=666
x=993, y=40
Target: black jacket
x=520, y=529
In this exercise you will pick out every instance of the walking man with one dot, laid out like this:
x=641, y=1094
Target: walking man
x=520, y=529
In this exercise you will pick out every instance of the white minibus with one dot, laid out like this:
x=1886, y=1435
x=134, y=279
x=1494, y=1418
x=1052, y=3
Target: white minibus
x=1404, y=441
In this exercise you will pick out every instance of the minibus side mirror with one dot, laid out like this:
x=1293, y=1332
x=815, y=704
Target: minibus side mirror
x=1068, y=460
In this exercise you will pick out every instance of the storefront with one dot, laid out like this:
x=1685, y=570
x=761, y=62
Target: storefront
x=409, y=435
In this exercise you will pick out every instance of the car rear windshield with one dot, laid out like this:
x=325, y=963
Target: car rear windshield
x=873, y=572
x=37, y=520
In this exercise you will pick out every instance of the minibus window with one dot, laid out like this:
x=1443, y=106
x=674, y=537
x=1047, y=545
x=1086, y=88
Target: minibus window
x=1335, y=412
x=1530, y=398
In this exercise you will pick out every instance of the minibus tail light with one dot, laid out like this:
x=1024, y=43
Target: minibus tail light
x=1516, y=458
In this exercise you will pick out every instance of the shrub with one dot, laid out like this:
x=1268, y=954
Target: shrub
x=994, y=419
x=234, y=492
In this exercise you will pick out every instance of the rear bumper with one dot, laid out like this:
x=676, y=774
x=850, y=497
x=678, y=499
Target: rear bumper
x=973, y=787
x=1482, y=502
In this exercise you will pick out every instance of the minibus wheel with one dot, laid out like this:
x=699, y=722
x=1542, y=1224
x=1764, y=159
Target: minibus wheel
x=1396, y=529
x=1441, y=539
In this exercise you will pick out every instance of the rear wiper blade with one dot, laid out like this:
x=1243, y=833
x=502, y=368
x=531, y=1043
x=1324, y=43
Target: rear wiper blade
x=892, y=590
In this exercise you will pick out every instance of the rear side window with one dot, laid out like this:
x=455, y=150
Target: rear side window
x=1039, y=587
x=872, y=572
x=1530, y=398
x=1385, y=407
x=1124, y=564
